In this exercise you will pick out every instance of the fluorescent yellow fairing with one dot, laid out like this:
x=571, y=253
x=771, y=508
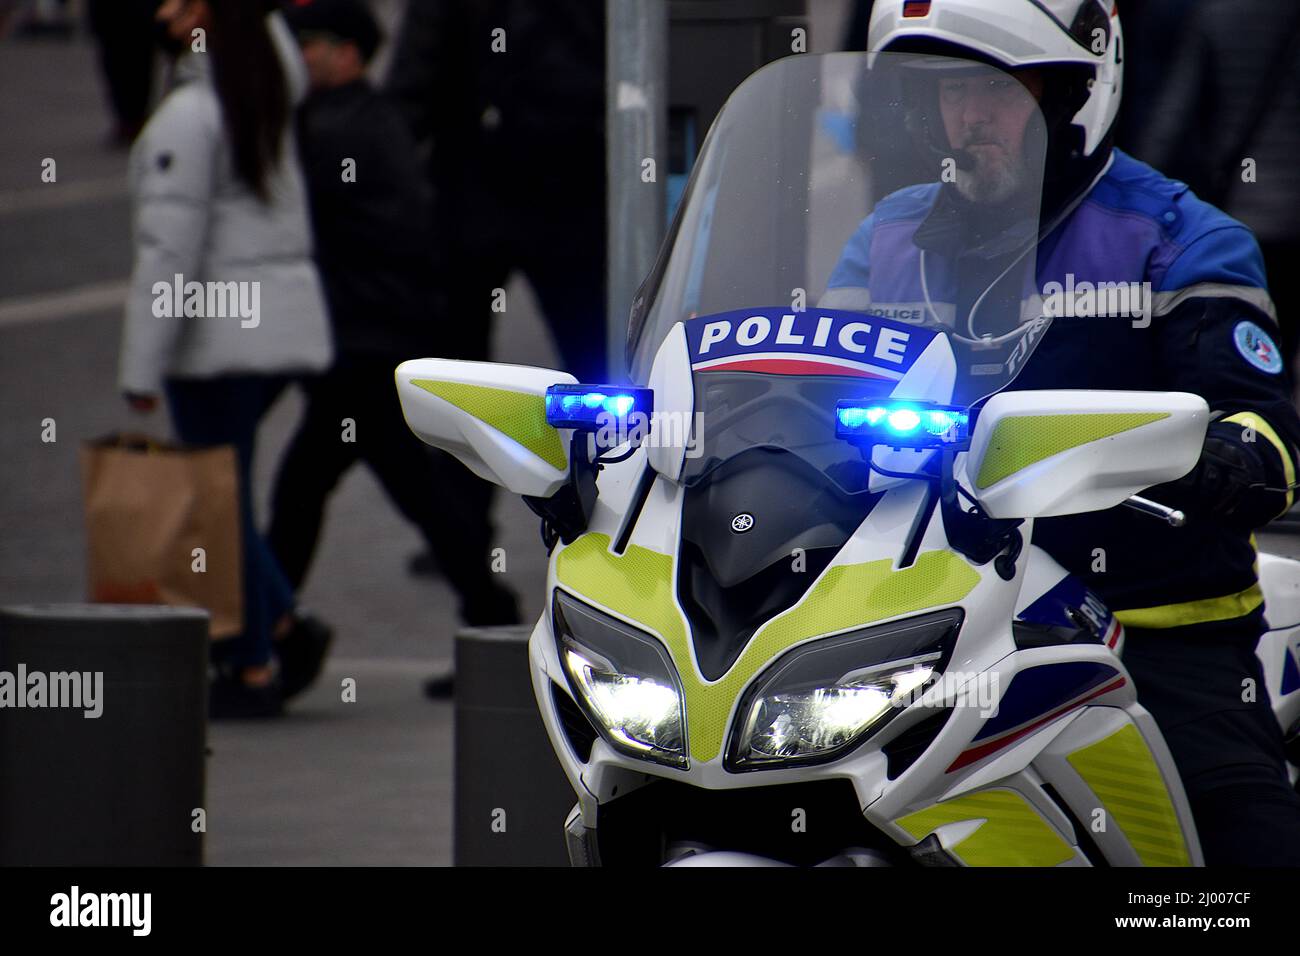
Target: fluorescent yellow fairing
x=1012, y=834
x=1019, y=441
x=1123, y=774
x=638, y=585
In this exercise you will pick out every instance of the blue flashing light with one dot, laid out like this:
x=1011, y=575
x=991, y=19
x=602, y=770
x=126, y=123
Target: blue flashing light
x=620, y=405
x=904, y=421
x=902, y=424
x=592, y=407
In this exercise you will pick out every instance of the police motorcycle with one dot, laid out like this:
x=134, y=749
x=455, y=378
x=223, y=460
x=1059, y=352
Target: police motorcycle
x=793, y=615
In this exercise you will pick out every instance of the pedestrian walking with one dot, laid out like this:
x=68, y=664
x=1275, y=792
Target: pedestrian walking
x=369, y=207
x=224, y=300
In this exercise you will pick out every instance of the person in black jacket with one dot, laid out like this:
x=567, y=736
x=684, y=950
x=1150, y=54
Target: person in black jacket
x=370, y=220
x=510, y=94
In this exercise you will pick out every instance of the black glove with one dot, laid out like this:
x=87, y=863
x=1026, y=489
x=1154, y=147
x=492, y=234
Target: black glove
x=1229, y=484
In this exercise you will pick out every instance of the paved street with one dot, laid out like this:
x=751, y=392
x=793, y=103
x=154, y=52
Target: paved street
x=365, y=782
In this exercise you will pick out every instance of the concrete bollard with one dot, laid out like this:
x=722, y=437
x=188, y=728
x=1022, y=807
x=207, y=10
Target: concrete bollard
x=103, y=723
x=511, y=797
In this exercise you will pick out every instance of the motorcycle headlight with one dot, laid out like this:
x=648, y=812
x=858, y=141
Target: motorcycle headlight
x=624, y=681
x=822, y=699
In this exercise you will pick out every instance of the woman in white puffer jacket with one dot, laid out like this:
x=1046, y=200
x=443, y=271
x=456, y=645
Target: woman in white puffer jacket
x=225, y=303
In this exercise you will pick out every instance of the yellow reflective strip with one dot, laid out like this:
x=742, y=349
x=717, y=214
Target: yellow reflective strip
x=1252, y=420
x=520, y=416
x=1194, y=612
x=1121, y=771
x=1012, y=834
x=1019, y=441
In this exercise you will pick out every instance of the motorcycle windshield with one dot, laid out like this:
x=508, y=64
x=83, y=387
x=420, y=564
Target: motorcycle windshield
x=847, y=211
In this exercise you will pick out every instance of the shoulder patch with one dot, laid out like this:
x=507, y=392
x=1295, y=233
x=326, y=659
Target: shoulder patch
x=1257, y=347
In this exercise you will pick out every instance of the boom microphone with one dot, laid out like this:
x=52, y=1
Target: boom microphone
x=919, y=129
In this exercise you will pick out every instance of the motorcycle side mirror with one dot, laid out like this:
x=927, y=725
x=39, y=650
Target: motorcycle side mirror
x=491, y=417
x=1035, y=454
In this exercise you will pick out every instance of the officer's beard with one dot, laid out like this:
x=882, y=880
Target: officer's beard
x=995, y=175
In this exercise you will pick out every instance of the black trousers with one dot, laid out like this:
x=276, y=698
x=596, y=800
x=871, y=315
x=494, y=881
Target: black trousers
x=1229, y=751
x=432, y=490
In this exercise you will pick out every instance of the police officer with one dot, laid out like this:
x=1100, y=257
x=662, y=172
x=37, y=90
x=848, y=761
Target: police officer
x=1189, y=597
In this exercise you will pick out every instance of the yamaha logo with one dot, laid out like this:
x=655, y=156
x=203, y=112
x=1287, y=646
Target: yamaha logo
x=742, y=523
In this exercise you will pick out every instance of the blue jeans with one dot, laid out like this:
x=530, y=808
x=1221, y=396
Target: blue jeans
x=226, y=411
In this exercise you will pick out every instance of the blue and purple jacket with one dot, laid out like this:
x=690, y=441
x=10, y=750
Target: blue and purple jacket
x=1208, y=326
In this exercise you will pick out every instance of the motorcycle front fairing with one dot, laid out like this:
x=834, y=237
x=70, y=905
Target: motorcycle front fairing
x=762, y=617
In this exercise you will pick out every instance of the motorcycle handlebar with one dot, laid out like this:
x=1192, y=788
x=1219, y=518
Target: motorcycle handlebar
x=1171, y=516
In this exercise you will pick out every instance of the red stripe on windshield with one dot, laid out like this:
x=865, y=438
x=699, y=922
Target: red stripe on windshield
x=792, y=367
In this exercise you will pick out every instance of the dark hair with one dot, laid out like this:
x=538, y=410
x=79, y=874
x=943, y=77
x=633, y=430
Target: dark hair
x=251, y=87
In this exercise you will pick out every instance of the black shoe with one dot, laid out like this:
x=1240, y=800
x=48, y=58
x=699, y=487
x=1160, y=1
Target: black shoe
x=229, y=698
x=440, y=686
x=302, y=654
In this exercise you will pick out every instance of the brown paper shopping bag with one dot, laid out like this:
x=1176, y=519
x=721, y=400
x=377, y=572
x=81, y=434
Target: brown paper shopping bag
x=150, y=507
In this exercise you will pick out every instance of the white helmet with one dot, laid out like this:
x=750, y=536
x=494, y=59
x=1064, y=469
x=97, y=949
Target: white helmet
x=1017, y=34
